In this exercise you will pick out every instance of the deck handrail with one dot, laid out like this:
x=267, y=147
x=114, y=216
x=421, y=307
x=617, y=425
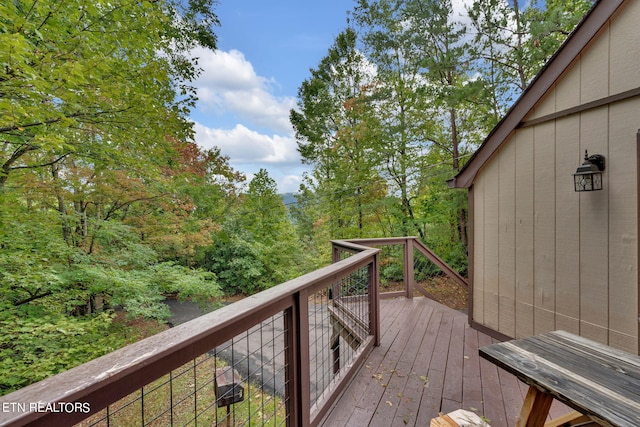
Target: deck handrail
x=409, y=244
x=446, y=268
x=104, y=380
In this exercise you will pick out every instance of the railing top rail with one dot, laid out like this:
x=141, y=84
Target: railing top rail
x=351, y=246
x=357, y=244
x=380, y=240
x=104, y=380
x=457, y=277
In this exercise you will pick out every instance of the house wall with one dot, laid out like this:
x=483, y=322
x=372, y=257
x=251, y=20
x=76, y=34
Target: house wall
x=544, y=256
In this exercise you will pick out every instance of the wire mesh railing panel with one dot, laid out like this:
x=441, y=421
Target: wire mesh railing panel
x=343, y=254
x=339, y=318
x=320, y=365
x=391, y=268
x=436, y=284
x=391, y=259
x=241, y=382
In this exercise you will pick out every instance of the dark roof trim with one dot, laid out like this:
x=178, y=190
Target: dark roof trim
x=599, y=15
x=622, y=96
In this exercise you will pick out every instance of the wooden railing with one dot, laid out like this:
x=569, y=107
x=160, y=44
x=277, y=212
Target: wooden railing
x=409, y=247
x=333, y=305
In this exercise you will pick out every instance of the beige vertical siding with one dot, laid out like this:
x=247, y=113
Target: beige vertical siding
x=478, y=253
x=623, y=231
x=547, y=257
x=594, y=228
x=567, y=235
x=524, y=232
x=594, y=69
x=507, y=241
x=544, y=264
x=491, y=247
x=625, y=50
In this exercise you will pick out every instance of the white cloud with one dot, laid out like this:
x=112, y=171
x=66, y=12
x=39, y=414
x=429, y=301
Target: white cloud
x=246, y=146
x=459, y=10
x=230, y=85
x=231, y=91
x=291, y=183
x=249, y=151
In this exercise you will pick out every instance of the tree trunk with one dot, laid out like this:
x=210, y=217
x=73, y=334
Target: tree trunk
x=519, y=47
x=62, y=207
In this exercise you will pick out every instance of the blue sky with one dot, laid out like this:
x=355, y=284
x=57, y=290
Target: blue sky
x=265, y=51
x=248, y=87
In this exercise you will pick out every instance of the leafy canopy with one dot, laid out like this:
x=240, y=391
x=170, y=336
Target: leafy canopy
x=97, y=79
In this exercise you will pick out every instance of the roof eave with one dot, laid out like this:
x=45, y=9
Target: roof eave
x=584, y=32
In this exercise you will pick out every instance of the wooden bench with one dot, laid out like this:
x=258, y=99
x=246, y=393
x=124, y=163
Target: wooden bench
x=598, y=381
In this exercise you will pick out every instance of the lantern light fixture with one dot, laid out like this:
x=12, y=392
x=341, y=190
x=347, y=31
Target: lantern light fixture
x=588, y=177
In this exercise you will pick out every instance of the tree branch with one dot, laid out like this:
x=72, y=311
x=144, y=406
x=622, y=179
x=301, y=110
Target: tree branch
x=58, y=119
x=41, y=165
x=32, y=298
x=24, y=148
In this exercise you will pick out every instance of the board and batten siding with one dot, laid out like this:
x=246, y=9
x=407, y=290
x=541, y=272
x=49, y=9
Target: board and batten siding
x=544, y=256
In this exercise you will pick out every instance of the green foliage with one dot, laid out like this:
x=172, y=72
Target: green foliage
x=392, y=272
x=36, y=344
x=237, y=265
x=337, y=132
x=257, y=247
x=95, y=208
x=96, y=79
x=140, y=292
x=55, y=299
x=550, y=25
x=401, y=99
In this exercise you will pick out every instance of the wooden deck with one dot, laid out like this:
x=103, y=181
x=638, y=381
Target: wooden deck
x=428, y=363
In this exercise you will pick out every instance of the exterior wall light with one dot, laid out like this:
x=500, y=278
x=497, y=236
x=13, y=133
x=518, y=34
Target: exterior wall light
x=588, y=177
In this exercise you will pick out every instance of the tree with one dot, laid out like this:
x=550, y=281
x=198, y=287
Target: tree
x=93, y=96
x=334, y=128
x=257, y=246
x=416, y=69
x=262, y=213
x=99, y=80
x=550, y=25
x=512, y=43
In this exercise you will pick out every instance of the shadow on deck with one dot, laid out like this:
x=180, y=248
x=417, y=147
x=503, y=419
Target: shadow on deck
x=428, y=363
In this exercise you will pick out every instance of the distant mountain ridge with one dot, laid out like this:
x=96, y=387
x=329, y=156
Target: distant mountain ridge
x=289, y=199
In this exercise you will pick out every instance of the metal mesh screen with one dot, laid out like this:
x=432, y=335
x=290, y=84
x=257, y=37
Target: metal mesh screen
x=391, y=268
x=423, y=269
x=436, y=283
x=338, y=325
x=241, y=382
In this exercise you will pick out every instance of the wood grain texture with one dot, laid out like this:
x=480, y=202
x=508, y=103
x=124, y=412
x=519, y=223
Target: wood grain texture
x=427, y=364
x=592, y=378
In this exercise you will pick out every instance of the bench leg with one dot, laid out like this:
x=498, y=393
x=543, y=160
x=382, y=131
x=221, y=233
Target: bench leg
x=535, y=409
x=570, y=419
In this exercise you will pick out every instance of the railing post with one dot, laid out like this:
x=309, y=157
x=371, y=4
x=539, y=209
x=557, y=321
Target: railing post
x=334, y=291
x=335, y=253
x=291, y=373
x=297, y=362
x=409, y=276
x=374, y=300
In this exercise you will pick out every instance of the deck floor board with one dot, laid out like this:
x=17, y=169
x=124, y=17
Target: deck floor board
x=427, y=363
